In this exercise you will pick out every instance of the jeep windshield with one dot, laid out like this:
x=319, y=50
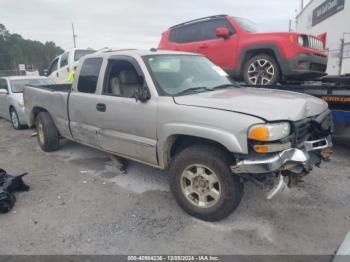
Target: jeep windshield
x=177, y=75
x=247, y=25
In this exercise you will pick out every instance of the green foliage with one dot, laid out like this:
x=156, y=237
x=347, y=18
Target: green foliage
x=15, y=50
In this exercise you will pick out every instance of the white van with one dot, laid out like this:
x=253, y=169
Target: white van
x=61, y=66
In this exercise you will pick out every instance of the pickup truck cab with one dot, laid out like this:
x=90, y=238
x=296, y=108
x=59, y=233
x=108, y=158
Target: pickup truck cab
x=63, y=64
x=179, y=111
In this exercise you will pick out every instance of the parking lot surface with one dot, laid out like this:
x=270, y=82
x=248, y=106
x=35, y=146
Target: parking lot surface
x=80, y=204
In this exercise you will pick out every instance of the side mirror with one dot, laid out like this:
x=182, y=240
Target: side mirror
x=142, y=94
x=3, y=92
x=222, y=32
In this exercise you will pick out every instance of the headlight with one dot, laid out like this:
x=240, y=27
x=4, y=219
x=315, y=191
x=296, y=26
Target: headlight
x=20, y=103
x=269, y=132
x=301, y=40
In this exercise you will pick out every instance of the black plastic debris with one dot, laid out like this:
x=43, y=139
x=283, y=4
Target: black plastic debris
x=8, y=186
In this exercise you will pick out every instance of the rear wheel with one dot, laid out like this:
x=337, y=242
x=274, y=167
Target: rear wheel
x=47, y=133
x=203, y=184
x=15, y=120
x=261, y=70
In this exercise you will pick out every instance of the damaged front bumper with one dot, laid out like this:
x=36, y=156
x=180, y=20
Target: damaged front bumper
x=291, y=161
x=276, y=162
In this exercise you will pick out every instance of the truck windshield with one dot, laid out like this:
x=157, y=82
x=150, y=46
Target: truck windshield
x=80, y=53
x=17, y=86
x=247, y=25
x=176, y=75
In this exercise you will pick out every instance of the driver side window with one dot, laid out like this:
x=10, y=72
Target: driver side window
x=53, y=66
x=122, y=79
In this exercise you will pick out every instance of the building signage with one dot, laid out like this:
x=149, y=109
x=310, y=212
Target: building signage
x=326, y=9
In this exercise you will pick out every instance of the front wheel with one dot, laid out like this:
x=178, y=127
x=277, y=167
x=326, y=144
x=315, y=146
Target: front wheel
x=203, y=184
x=48, y=136
x=261, y=70
x=15, y=120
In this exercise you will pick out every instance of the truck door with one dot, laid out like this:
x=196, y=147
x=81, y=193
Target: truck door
x=53, y=70
x=127, y=127
x=63, y=70
x=82, y=103
x=220, y=51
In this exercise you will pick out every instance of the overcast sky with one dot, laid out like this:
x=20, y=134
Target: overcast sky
x=129, y=23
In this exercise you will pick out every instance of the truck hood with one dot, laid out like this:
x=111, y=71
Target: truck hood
x=270, y=105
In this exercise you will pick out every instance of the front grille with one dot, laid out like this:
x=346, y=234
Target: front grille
x=301, y=131
x=313, y=43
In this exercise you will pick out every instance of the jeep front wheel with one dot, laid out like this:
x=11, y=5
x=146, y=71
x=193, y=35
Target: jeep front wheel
x=261, y=70
x=203, y=184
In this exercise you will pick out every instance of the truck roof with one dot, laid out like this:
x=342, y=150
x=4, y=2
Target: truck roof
x=135, y=52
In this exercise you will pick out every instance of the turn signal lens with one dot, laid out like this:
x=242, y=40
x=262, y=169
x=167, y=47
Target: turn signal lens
x=269, y=132
x=260, y=133
x=261, y=149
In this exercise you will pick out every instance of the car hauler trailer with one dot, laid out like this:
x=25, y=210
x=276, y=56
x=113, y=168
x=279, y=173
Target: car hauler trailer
x=333, y=89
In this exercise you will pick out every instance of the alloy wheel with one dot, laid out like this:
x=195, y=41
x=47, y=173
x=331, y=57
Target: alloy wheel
x=261, y=72
x=201, y=186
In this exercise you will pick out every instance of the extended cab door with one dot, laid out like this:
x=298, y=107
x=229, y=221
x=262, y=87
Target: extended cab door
x=83, y=100
x=222, y=52
x=126, y=127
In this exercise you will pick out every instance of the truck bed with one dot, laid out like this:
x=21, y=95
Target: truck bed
x=54, y=87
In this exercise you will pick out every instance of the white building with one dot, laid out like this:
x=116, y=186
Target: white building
x=331, y=17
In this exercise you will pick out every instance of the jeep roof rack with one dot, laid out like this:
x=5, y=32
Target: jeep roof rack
x=198, y=20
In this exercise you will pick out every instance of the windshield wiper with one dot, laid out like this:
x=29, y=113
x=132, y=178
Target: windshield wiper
x=193, y=90
x=222, y=86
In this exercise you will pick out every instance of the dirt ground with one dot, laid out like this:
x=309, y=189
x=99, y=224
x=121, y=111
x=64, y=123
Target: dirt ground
x=80, y=204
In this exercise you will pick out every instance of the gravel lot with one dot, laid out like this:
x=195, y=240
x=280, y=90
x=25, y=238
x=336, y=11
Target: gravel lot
x=80, y=204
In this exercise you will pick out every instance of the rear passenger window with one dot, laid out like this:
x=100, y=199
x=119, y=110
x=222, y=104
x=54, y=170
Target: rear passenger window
x=89, y=73
x=208, y=29
x=64, y=59
x=185, y=34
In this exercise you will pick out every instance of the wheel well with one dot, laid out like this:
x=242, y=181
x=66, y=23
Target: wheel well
x=36, y=111
x=11, y=107
x=177, y=143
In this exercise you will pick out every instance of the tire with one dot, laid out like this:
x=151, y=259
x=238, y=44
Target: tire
x=261, y=70
x=212, y=160
x=47, y=133
x=15, y=120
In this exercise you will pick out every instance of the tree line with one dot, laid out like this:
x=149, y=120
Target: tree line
x=15, y=50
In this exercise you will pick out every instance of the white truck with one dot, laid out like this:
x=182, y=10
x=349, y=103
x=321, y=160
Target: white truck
x=63, y=64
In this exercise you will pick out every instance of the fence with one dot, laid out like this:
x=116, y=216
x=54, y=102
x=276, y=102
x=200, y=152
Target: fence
x=9, y=73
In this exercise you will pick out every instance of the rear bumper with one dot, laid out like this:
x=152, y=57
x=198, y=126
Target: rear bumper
x=305, y=67
x=284, y=160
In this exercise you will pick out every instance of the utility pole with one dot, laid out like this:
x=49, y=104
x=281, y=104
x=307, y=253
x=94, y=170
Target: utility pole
x=302, y=5
x=290, y=25
x=74, y=36
x=341, y=55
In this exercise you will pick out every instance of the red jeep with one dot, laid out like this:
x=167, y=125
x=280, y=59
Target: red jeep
x=259, y=58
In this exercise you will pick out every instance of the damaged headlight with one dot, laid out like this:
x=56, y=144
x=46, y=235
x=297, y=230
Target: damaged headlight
x=269, y=132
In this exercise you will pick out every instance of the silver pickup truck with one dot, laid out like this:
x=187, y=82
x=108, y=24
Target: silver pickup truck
x=179, y=111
